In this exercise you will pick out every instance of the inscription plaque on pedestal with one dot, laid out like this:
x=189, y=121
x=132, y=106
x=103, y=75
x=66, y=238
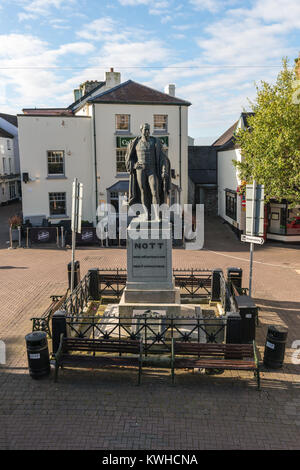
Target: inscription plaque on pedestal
x=149, y=259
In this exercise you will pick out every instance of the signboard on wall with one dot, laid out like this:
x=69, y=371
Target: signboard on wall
x=122, y=142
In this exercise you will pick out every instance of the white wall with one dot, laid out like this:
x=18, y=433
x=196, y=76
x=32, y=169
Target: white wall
x=228, y=178
x=5, y=182
x=139, y=114
x=73, y=135
x=7, y=126
x=7, y=154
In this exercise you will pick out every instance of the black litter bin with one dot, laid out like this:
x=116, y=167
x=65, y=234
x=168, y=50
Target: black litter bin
x=275, y=346
x=38, y=354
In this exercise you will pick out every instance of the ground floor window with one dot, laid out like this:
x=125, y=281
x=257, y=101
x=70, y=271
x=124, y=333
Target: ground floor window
x=293, y=221
x=12, y=190
x=283, y=219
x=230, y=204
x=57, y=203
x=120, y=160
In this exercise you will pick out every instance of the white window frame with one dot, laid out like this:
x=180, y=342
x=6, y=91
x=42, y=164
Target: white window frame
x=53, y=175
x=119, y=129
x=162, y=130
x=12, y=190
x=57, y=216
x=123, y=150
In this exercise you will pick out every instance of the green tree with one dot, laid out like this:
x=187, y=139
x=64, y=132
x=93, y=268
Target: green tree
x=270, y=145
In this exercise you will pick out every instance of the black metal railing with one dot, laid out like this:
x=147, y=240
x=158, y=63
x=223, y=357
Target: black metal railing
x=227, y=297
x=78, y=298
x=156, y=333
x=43, y=323
x=193, y=283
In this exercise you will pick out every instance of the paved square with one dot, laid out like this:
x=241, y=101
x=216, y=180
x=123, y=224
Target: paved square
x=105, y=409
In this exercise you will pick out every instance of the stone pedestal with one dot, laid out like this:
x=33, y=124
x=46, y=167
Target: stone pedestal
x=150, y=280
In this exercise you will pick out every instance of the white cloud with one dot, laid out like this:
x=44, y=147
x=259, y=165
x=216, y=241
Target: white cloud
x=211, y=5
x=159, y=8
x=284, y=12
x=98, y=29
x=33, y=9
x=31, y=67
x=58, y=23
x=134, y=2
x=133, y=53
x=183, y=27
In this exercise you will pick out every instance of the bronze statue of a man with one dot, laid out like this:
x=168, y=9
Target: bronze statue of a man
x=149, y=169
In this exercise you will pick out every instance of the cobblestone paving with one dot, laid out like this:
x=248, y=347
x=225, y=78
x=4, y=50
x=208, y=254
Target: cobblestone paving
x=105, y=409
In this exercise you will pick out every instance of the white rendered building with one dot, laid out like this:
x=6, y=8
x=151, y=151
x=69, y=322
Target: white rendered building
x=282, y=222
x=10, y=187
x=88, y=140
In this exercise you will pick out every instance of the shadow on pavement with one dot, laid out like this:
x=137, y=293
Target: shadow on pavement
x=13, y=267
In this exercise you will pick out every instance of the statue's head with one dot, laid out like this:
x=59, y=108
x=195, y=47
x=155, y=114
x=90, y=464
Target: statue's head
x=145, y=129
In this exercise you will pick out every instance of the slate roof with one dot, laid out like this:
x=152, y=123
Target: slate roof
x=122, y=185
x=83, y=98
x=10, y=118
x=131, y=92
x=227, y=139
x=5, y=134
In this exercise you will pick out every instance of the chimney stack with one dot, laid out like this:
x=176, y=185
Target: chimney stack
x=170, y=89
x=85, y=88
x=112, y=78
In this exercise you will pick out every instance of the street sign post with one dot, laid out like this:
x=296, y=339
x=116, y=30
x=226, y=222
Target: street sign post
x=250, y=239
x=255, y=209
x=76, y=220
x=254, y=220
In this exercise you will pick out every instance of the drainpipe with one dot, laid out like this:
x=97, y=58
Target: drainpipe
x=180, y=155
x=95, y=161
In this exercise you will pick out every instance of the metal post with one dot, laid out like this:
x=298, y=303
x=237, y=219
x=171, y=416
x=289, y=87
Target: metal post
x=10, y=237
x=62, y=237
x=19, y=229
x=252, y=233
x=73, y=259
x=76, y=220
x=27, y=237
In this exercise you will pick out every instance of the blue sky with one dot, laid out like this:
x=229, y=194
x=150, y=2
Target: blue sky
x=213, y=50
